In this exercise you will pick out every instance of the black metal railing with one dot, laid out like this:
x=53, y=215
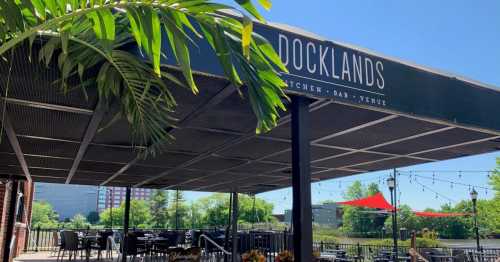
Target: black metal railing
x=271, y=243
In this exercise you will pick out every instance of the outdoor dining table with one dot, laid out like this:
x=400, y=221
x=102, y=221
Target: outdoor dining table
x=87, y=241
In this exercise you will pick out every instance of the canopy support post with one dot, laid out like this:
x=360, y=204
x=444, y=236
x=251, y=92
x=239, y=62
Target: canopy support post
x=126, y=219
x=301, y=179
x=11, y=220
x=234, y=228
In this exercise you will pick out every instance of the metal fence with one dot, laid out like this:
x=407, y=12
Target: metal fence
x=368, y=252
x=271, y=243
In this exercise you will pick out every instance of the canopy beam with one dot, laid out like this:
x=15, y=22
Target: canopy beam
x=14, y=143
x=87, y=138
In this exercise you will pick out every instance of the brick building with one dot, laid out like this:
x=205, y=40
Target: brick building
x=22, y=191
x=114, y=196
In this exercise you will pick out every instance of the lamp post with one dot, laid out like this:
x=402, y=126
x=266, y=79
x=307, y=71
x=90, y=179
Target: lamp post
x=391, y=183
x=473, y=196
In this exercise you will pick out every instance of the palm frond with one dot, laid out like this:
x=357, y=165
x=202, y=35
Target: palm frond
x=90, y=34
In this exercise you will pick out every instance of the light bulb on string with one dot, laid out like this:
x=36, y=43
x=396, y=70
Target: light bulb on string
x=433, y=177
x=436, y=196
x=451, y=185
x=459, y=174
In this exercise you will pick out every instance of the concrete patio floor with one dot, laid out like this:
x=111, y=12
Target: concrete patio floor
x=47, y=256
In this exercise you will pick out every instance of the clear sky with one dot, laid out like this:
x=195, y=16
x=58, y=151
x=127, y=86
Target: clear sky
x=457, y=36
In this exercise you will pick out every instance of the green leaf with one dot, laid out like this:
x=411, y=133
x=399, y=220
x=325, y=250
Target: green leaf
x=268, y=51
x=103, y=24
x=52, y=7
x=40, y=8
x=135, y=21
x=266, y=4
x=64, y=41
x=180, y=47
x=246, y=36
x=156, y=41
x=250, y=8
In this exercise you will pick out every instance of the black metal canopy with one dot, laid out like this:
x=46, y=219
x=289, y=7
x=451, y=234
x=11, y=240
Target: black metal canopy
x=55, y=137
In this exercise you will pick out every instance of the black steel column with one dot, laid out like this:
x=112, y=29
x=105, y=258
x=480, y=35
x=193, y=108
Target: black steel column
x=126, y=217
x=234, y=228
x=11, y=220
x=301, y=180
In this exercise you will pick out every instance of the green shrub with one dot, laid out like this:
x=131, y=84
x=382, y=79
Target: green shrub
x=421, y=242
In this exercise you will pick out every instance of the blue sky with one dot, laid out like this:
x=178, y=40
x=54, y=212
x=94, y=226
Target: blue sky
x=457, y=36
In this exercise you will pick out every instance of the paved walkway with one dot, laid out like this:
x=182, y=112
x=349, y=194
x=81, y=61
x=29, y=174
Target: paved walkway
x=48, y=257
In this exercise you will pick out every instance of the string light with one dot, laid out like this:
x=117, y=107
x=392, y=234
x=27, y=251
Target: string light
x=448, y=181
x=435, y=192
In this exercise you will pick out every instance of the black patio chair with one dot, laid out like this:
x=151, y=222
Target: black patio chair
x=133, y=246
x=101, y=243
x=70, y=243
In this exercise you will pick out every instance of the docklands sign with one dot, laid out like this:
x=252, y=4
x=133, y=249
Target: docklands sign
x=325, y=69
x=322, y=68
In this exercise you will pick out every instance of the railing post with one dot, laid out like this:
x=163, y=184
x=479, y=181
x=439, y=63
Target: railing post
x=37, y=238
x=321, y=246
x=359, y=252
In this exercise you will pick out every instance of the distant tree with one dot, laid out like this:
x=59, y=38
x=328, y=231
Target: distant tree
x=455, y=227
x=43, y=215
x=495, y=180
x=196, y=215
x=406, y=219
x=216, y=208
x=77, y=222
x=140, y=216
x=178, y=211
x=116, y=213
x=354, y=191
x=158, y=206
x=93, y=217
x=262, y=211
x=357, y=219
